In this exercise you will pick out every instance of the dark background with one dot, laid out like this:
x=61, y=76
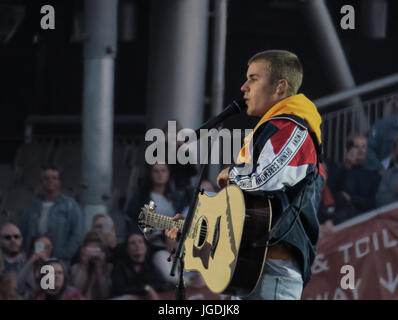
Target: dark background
x=41, y=71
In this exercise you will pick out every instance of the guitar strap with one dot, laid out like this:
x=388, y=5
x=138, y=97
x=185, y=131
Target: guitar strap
x=287, y=205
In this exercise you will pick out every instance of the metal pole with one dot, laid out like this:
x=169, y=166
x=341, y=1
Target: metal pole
x=374, y=18
x=178, y=51
x=374, y=85
x=218, y=66
x=100, y=17
x=333, y=53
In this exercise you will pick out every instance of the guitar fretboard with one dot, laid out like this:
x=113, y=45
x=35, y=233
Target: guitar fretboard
x=162, y=222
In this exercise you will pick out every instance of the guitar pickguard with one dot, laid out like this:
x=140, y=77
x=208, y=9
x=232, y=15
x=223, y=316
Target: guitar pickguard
x=203, y=253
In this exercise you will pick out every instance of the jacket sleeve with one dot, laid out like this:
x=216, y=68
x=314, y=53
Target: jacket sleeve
x=281, y=153
x=76, y=232
x=385, y=194
x=363, y=199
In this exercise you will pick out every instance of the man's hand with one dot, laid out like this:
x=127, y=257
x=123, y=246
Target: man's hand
x=172, y=233
x=223, y=178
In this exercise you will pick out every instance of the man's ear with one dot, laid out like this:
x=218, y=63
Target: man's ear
x=281, y=88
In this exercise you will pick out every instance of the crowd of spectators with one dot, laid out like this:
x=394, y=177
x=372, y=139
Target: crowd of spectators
x=89, y=263
x=368, y=176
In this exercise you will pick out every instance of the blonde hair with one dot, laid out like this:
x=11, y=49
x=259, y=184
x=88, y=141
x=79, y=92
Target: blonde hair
x=282, y=64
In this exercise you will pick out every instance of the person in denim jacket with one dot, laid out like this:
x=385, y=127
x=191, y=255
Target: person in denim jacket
x=54, y=215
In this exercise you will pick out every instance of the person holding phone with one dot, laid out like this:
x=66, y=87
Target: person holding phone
x=104, y=226
x=91, y=275
x=40, y=249
x=61, y=290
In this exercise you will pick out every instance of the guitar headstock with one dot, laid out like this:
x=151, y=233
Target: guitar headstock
x=142, y=218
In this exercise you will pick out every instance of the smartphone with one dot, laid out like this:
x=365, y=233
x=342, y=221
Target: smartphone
x=93, y=251
x=39, y=246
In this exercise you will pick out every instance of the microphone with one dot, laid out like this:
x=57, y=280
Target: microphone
x=238, y=106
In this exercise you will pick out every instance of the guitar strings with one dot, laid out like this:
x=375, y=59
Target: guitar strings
x=165, y=222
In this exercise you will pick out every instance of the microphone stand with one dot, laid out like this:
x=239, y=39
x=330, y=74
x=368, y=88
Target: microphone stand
x=179, y=255
x=236, y=107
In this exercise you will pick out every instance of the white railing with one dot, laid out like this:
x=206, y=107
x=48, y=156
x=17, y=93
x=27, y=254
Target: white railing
x=340, y=124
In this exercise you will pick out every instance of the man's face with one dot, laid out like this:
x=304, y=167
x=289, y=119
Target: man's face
x=50, y=180
x=362, y=145
x=10, y=240
x=259, y=94
x=351, y=156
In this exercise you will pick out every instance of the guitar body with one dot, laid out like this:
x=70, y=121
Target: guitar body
x=220, y=240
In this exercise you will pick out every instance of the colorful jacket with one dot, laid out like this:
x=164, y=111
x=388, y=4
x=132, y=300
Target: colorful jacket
x=285, y=160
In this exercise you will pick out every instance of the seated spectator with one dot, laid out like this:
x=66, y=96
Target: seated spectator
x=388, y=189
x=55, y=215
x=11, y=245
x=103, y=225
x=8, y=286
x=360, y=185
x=92, y=274
x=61, y=290
x=381, y=138
x=28, y=279
x=155, y=187
x=134, y=273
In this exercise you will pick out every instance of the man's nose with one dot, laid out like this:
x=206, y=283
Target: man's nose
x=244, y=87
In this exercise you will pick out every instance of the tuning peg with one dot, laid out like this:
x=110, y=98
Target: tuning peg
x=148, y=230
x=152, y=205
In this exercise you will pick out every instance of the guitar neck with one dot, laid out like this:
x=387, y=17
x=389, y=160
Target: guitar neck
x=162, y=222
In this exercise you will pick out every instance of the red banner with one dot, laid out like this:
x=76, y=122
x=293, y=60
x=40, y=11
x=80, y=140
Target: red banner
x=359, y=261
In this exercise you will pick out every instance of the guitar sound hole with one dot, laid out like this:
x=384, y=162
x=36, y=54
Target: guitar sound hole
x=202, y=232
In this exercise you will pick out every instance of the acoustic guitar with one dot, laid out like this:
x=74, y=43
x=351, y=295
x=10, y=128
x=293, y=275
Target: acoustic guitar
x=220, y=241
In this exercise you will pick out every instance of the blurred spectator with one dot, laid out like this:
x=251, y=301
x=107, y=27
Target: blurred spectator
x=55, y=215
x=381, y=138
x=103, y=225
x=208, y=187
x=388, y=189
x=163, y=261
x=11, y=245
x=359, y=187
x=156, y=187
x=134, y=273
x=28, y=279
x=8, y=286
x=181, y=174
x=61, y=290
x=92, y=274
